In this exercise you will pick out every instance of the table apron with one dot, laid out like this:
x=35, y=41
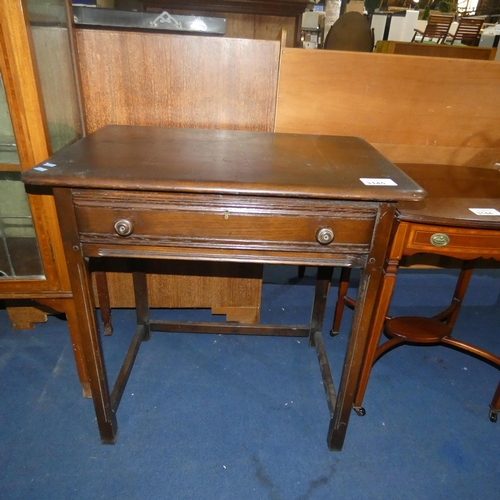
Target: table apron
x=351, y=256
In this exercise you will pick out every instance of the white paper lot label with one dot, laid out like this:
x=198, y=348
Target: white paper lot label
x=377, y=182
x=485, y=211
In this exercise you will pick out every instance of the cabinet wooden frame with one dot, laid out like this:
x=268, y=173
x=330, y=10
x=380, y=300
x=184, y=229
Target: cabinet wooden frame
x=52, y=291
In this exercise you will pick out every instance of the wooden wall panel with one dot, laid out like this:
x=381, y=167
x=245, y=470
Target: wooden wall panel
x=413, y=109
x=270, y=27
x=239, y=25
x=177, y=81
x=182, y=81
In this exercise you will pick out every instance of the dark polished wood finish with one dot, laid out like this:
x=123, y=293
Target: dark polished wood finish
x=262, y=7
x=215, y=195
x=443, y=224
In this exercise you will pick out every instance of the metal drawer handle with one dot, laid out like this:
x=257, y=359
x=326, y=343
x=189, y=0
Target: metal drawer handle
x=440, y=239
x=324, y=236
x=124, y=227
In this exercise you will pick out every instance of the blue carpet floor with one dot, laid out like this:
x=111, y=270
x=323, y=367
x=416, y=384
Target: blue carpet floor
x=240, y=417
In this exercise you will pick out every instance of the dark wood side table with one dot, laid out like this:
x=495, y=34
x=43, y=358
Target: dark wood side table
x=210, y=195
x=460, y=218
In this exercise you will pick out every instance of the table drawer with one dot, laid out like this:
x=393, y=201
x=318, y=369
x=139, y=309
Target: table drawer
x=223, y=222
x=453, y=241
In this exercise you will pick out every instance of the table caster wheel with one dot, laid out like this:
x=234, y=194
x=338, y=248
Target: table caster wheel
x=360, y=411
x=493, y=416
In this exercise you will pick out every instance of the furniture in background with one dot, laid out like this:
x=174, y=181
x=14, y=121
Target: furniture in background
x=490, y=37
x=351, y=31
x=436, y=29
x=394, y=25
x=460, y=218
x=251, y=197
x=436, y=50
x=468, y=31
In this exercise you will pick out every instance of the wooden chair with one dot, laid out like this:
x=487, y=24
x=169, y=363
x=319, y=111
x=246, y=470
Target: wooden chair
x=437, y=29
x=352, y=32
x=468, y=31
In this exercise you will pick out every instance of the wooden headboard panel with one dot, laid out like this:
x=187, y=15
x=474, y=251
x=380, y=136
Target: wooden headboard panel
x=413, y=109
x=155, y=79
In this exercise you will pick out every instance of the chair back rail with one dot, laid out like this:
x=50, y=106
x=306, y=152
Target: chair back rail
x=468, y=31
x=436, y=29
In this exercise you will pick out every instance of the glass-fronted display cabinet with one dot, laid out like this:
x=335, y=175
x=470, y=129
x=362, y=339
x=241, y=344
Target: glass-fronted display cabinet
x=39, y=114
x=19, y=254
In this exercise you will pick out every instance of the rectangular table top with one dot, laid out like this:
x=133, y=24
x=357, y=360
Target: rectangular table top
x=226, y=162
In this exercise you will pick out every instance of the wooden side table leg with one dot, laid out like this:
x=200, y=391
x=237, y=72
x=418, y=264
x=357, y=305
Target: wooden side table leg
x=363, y=312
x=380, y=314
x=141, y=301
x=495, y=405
x=101, y=281
x=84, y=308
x=449, y=316
x=323, y=280
x=80, y=282
x=76, y=340
x=345, y=276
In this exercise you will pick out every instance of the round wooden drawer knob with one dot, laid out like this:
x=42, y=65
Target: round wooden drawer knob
x=124, y=227
x=324, y=236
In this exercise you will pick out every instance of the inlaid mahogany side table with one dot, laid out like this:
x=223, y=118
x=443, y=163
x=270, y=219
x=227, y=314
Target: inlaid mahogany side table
x=460, y=218
x=212, y=195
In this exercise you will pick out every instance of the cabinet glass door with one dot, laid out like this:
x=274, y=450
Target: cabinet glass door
x=19, y=254
x=54, y=61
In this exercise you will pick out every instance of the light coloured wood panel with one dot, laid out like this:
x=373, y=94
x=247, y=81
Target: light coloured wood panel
x=177, y=81
x=269, y=28
x=230, y=289
x=413, y=109
x=240, y=25
x=9, y=167
x=431, y=154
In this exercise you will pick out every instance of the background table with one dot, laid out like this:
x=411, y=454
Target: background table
x=460, y=218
